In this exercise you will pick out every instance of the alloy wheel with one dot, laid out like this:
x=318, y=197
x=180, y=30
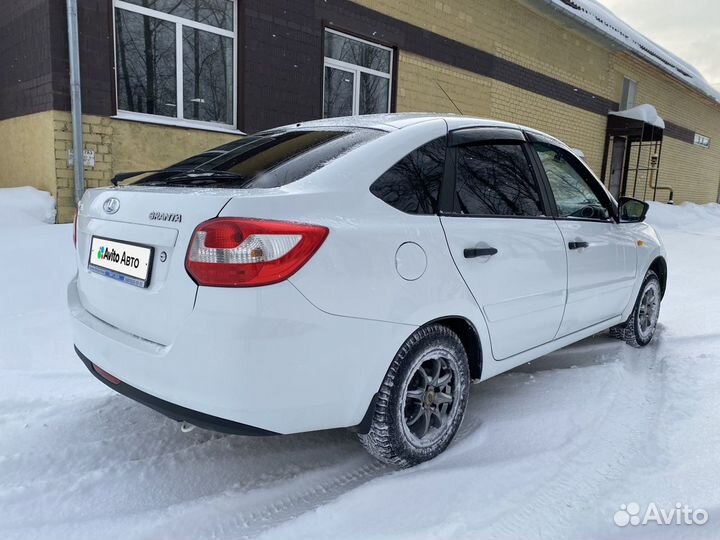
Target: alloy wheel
x=429, y=400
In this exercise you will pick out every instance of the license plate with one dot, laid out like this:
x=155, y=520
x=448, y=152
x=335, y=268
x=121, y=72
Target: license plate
x=122, y=261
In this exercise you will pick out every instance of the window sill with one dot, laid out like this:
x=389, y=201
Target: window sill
x=174, y=122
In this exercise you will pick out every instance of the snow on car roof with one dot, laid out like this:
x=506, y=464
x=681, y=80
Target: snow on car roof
x=601, y=19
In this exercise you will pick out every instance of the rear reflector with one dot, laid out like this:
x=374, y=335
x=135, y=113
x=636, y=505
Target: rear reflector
x=105, y=375
x=236, y=252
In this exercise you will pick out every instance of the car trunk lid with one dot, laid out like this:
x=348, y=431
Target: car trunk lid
x=161, y=219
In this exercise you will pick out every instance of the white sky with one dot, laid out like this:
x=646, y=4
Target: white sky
x=688, y=28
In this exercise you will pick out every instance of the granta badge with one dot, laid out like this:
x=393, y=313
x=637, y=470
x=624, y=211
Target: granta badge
x=165, y=216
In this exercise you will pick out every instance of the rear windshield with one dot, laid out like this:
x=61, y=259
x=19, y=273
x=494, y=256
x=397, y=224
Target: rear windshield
x=266, y=160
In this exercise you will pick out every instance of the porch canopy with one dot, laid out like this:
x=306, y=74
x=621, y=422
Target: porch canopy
x=640, y=123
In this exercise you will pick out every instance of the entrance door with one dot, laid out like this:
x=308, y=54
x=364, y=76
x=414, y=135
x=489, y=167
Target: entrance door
x=617, y=166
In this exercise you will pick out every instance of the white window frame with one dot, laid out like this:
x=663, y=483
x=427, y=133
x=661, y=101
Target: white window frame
x=702, y=141
x=357, y=70
x=180, y=22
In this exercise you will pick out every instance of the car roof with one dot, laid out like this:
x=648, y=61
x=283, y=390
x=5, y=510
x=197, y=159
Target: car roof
x=395, y=121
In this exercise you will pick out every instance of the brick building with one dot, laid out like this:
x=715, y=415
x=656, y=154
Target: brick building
x=165, y=79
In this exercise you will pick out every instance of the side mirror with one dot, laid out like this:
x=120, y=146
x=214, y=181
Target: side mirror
x=632, y=210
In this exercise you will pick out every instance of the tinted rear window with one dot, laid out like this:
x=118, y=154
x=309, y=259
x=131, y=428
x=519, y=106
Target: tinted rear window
x=267, y=160
x=413, y=183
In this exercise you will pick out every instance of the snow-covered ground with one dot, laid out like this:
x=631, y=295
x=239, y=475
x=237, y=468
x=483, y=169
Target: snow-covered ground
x=551, y=450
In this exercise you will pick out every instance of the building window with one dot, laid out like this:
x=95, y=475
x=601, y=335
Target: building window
x=175, y=61
x=629, y=93
x=702, y=140
x=357, y=76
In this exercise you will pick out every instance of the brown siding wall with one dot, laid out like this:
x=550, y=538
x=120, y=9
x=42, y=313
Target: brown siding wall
x=34, y=66
x=96, y=56
x=25, y=59
x=282, y=51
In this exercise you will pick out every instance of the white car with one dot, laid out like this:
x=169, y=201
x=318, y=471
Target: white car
x=355, y=272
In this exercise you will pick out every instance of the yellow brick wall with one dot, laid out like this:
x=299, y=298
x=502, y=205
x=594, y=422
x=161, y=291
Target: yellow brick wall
x=509, y=29
x=98, y=137
x=34, y=151
x=693, y=171
x=517, y=31
x=578, y=128
x=26, y=152
x=140, y=146
x=421, y=83
x=121, y=146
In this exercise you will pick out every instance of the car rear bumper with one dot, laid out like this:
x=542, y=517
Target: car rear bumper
x=171, y=410
x=264, y=360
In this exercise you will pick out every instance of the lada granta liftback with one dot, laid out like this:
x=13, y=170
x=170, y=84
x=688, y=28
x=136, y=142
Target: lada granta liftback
x=355, y=272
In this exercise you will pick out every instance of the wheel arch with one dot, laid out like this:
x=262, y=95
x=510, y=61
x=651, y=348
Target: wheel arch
x=659, y=266
x=470, y=339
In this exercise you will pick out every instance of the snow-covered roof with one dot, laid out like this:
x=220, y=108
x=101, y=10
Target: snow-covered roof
x=644, y=113
x=601, y=19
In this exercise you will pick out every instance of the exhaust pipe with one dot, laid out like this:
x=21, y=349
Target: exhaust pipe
x=185, y=427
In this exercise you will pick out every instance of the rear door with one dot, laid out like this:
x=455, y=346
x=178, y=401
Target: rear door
x=503, y=239
x=601, y=255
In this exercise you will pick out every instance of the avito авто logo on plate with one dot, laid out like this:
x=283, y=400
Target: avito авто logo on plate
x=114, y=256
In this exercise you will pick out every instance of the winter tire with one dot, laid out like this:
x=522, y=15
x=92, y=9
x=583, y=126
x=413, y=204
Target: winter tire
x=639, y=329
x=422, y=399
x=618, y=331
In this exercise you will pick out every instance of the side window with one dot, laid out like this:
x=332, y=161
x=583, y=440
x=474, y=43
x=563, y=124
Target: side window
x=571, y=186
x=495, y=180
x=413, y=183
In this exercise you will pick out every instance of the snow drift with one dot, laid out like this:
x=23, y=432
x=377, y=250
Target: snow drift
x=25, y=206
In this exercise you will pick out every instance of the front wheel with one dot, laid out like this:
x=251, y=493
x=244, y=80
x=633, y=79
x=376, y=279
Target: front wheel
x=639, y=329
x=422, y=399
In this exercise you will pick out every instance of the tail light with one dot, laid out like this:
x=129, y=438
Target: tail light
x=75, y=225
x=234, y=252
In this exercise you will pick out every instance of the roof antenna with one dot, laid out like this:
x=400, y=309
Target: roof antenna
x=448, y=96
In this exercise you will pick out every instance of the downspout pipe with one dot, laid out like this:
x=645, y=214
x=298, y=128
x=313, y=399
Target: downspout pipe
x=75, y=99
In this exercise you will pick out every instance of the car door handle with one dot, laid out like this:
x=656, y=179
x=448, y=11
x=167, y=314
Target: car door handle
x=471, y=253
x=578, y=245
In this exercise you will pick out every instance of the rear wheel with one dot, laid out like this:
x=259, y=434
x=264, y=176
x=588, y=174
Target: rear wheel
x=639, y=329
x=422, y=399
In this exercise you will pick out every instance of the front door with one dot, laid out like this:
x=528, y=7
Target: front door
x=503, y=240
x=601, y=255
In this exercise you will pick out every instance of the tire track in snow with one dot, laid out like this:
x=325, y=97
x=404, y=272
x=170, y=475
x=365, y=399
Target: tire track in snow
x=65, y=470
x=305, y=493
x=578, y=478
